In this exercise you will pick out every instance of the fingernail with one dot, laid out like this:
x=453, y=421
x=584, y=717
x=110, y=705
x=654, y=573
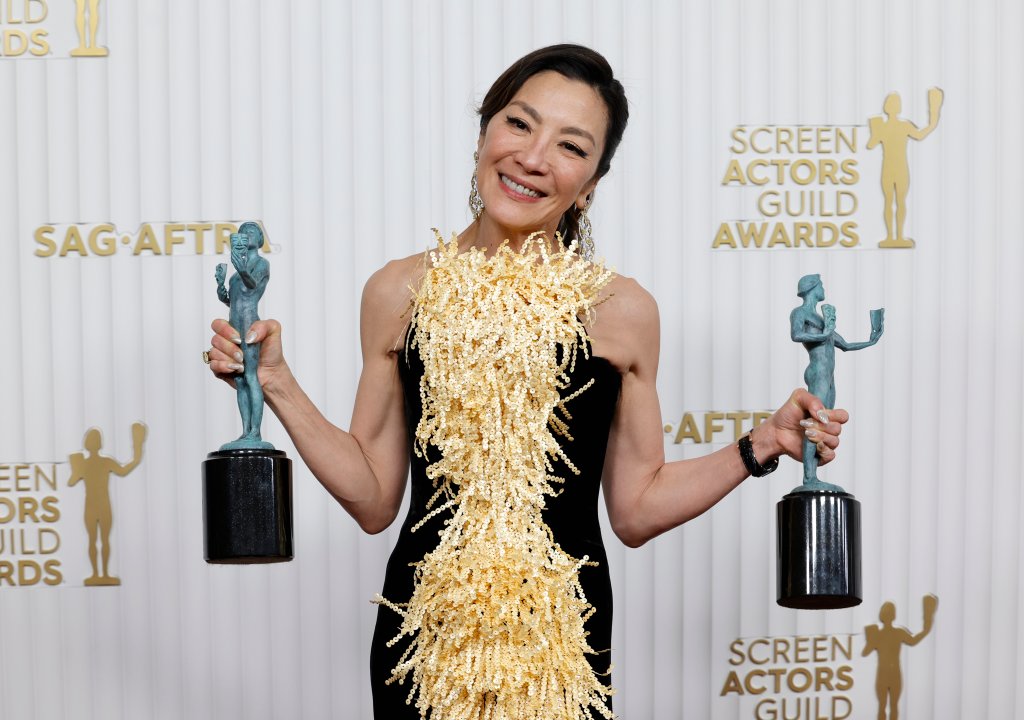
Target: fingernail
x=821, y=448
x=236, y=339
x=236, y=367
x=807, y=422
x=251, y=337
x=810, y=434
x=238, y=357
x=823, y=416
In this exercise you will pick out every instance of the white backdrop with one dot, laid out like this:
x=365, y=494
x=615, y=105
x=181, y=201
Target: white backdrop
x=347, y=128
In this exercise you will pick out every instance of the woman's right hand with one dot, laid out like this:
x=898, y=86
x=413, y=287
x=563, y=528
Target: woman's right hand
x=226, y=359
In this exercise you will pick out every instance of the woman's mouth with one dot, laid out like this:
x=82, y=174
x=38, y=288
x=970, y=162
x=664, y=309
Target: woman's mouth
x=519, y=189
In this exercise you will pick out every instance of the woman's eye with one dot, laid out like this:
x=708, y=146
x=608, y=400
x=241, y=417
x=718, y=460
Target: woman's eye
x=575, y=149
x=516, y=123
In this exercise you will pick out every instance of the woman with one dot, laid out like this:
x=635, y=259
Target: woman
x=548, y=129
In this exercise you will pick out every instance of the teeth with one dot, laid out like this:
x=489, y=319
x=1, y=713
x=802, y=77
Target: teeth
x=521, y=189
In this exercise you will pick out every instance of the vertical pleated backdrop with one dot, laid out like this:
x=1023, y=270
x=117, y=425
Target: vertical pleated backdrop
x=347, y=127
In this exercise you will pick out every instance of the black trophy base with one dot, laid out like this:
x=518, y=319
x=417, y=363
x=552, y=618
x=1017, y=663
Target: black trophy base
x=247, y=507
x=819, y=551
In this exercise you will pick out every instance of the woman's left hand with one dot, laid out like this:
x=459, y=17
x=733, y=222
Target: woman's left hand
x=802, y=416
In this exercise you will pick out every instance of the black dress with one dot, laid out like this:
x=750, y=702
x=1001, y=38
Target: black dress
x=572, y=517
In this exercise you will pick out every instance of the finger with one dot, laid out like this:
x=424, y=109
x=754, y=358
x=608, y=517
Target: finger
x=227, y=367
x=224, y=350
x=825, y=452
x=224, y=329
x=261, y=330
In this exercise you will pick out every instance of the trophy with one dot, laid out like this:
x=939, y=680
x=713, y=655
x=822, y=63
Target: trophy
x=247, y=484
x=818, y=522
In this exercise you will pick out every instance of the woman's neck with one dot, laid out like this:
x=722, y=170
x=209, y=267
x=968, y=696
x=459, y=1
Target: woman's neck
x=487, y=235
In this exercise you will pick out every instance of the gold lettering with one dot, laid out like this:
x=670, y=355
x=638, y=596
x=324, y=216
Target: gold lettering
x=42, y=237
x=843, y=647
x=53, y=574
x=50, y=480
x=750, y=653
x=736, y=648
x=769, y=205
x=803, y=234
x=732, y=682
x=784, y=139
x=833, y=232
x=779, y=236
x=173, y=237
x=73, y=242
x=42, y=6
x=711, y=426
x=794, y=172
x=753, y=137
x=21, y=474
x=7, y=511
x=845, y=677
x=198, y=229
x=51, y=509
x=54, y=539
x=804, y=139
x=800, y=649
x=823, y=678
x=850, y=236
x=756, y=164
x=10, y=34
x=850, y=174
x=27, y=509
x=724, y=237
x=105, y=244
x=24, y=578
x=734, y=173
x=791, y=680
x=751, y=688
x=850, y=141
x=739, y=145
x=752, y=231
x=147, y=241
x=687, y=430
x=40, y=44
x=827, y=171
x=737, y=420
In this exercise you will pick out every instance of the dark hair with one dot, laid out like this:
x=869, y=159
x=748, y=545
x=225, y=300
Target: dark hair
x=575, y=62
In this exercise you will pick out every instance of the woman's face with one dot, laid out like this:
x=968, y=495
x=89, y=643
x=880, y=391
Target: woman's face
x=539, y=154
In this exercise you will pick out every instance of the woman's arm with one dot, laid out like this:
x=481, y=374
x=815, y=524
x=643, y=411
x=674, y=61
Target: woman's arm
x=647, y=496
x=364, y=469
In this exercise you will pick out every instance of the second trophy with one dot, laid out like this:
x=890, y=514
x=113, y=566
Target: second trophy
x=818, y=522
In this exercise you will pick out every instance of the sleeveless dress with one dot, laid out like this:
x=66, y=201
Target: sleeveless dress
x=572, y=517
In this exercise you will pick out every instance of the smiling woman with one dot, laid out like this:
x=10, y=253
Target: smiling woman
x=515, y=405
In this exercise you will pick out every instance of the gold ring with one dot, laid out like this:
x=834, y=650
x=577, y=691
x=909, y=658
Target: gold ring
x=206, y=356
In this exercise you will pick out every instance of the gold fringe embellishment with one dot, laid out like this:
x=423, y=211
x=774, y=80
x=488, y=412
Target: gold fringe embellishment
x=497, y=613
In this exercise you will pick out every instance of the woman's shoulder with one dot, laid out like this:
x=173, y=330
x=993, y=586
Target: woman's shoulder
x=629, y=301
x=395, y=280
x=624, y=328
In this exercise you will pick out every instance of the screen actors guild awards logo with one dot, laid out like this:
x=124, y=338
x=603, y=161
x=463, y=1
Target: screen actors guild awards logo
x=95, y=469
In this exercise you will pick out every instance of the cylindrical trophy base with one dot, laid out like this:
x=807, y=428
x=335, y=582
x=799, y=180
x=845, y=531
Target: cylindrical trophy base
x=819, y=551
x=247, y=507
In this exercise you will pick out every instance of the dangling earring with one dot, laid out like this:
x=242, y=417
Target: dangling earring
x=585, y=233
x=476, y=203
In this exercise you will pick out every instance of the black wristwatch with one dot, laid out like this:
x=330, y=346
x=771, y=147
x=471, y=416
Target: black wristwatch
x=750, y=462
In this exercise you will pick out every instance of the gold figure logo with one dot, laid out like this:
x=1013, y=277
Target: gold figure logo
x=95, y=470
x=888, y=640
x=86, y=28
x=892, y=133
